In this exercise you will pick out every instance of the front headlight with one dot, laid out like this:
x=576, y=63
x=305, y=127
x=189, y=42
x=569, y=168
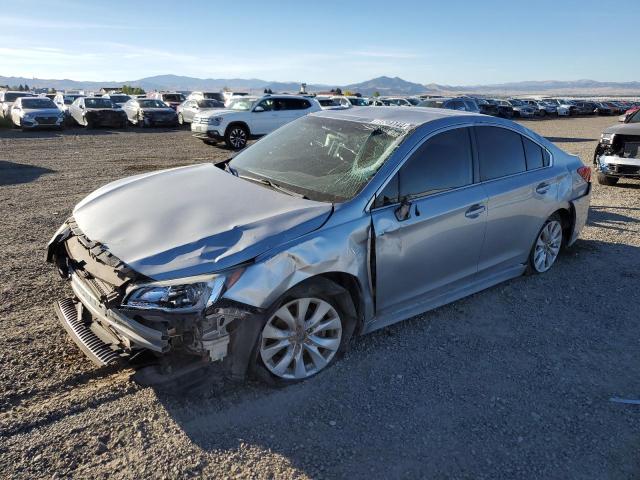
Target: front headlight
x=180, y=296
x=607, y=138
x=214, y=121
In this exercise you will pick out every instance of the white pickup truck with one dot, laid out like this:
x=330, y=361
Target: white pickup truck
x=250, y=117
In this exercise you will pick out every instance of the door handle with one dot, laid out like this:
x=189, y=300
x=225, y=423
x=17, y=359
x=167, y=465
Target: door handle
x=474, y=211
x=543, y=188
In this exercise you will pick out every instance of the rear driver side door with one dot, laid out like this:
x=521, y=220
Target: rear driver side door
x=435, y=247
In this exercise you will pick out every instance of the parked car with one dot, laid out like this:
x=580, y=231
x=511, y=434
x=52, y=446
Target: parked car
x=463, y=104
x=206, y=96
x=396, y=101
x=150, y=112
x=521, y=109
x=585, y=108
x=505, y=110
x=250, y=117
x=333, y=225
x=63, y=100
x=229, y=94
x=172, y=99
x=413, y=100
x=618, y=152
x=330, y=103
x=119, y=99
x=616, y=109
x=564, y=108
x=356, y=101
x=603, y=109
x=36, y=112
x=627, y=114
x=486, y=107
x=94, y=112
x=548, y=108
x=190, y=108
x=8, y=97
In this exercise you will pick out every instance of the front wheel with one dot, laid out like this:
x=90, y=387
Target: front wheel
x=607, y=180
x=236, y=137
x=547, y=245
x=302, y=336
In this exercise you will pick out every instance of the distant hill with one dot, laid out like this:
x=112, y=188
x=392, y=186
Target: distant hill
x=546, y=87
x=387, y=86
x=384, y=85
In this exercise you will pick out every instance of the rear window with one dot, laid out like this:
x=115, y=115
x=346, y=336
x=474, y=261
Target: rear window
x=534, y=153
x=500, y=152
x=173, y=97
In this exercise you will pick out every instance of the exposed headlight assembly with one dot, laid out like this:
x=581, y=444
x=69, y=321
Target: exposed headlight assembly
x=607, y=138
x=181, y=296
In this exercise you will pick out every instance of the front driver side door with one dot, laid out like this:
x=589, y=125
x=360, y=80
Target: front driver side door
x=435, y=248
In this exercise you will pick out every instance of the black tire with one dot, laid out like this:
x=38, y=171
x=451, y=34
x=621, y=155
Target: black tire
x=607, y=180
x=543, y=113
x=321, y=289
x=531, y=268
x=236, y=137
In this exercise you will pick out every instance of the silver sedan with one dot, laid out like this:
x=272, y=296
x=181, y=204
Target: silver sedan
x=339, y=223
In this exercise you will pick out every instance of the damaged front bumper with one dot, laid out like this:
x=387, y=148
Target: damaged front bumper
x=108, y=331
x=618, y=156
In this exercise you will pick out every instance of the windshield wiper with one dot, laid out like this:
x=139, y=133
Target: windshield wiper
x=274, y=186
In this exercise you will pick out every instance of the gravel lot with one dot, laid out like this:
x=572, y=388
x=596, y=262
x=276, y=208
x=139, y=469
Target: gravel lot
x=513, y=382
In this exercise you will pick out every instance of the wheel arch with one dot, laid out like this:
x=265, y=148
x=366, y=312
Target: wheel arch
x=238, y=123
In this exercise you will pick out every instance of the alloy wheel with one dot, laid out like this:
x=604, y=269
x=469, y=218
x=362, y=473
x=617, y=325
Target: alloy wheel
x=547, y=246
x=301, y=338
x=238, y=137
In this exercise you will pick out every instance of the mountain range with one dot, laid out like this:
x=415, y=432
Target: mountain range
x=383, y=85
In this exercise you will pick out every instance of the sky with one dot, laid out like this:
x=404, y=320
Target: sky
x=448, y=42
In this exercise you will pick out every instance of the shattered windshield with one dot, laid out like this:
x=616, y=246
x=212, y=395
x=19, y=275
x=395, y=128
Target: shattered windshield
x=324, y=159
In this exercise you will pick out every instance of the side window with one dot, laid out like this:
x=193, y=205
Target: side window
x=500, y=152
x=533, y=153
x=389, y=194
x=267, y=104
x=443, y=162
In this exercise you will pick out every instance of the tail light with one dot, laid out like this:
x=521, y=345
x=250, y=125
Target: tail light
x=585, y=173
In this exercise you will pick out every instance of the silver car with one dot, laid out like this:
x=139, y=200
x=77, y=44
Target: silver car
x=31, y=113
x=187, y=110
x=339, y=223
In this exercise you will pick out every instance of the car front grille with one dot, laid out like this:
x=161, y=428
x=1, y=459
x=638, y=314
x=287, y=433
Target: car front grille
x=46, y=120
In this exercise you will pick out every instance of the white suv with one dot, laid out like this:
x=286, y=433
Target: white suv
x=250, y=117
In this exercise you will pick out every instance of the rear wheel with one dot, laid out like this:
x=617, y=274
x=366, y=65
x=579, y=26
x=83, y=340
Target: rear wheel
x=236, y=137
x=546, y=248
x=607, y=179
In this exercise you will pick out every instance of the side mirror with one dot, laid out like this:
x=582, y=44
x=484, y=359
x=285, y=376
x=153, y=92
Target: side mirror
x=404, y=210
x=81, y=107
x=258, y=109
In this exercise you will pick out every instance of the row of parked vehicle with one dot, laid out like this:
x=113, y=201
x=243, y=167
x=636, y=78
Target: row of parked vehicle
x=114, y=110
x=168, y=109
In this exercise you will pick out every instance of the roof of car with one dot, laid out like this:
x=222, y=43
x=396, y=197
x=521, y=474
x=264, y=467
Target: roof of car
x=413, y=116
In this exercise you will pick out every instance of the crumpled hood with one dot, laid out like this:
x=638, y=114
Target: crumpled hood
x=624, y=129
x=193, y=220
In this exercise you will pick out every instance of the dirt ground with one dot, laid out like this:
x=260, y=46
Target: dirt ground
x=513, y=382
